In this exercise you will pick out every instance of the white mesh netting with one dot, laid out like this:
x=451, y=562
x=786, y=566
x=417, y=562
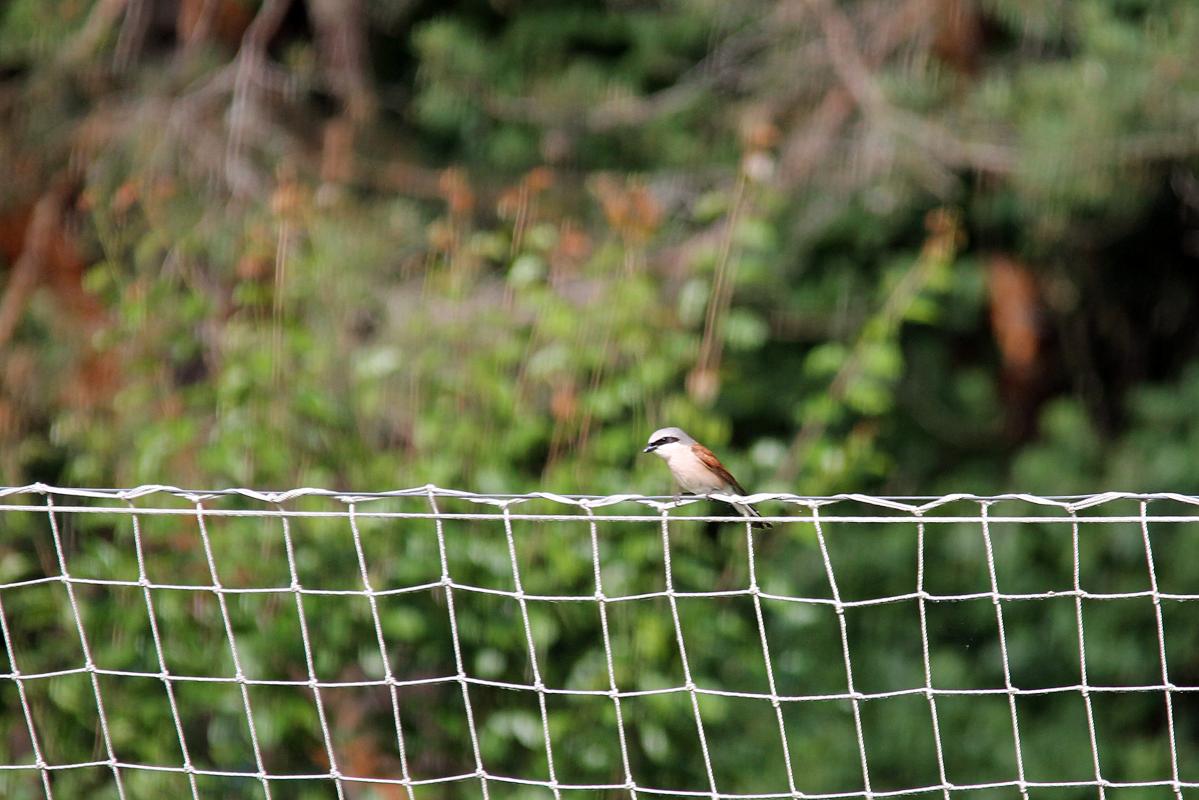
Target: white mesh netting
x=440, y=643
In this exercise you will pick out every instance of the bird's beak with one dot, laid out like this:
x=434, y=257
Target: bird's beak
x=649, y=449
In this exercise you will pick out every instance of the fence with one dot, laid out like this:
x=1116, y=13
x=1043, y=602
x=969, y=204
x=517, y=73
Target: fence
x=440, y=643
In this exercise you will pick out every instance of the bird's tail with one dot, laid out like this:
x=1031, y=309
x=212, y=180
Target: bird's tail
x=750, y=511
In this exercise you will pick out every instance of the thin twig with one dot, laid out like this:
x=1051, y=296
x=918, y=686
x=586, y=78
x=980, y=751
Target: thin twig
x=711, y=346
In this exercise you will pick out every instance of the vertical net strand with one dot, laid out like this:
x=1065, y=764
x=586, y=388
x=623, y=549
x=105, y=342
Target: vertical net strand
x=1085, y=689
x=1167, y=687
x=165, y=673
x=926, y=658
x=88, y=663
x=613, y=692
x=297, y=591
x=238, y=673
x=538, y=686
x=39, y=760
x=1003, y=652
x=839, y=608
x=756, y=595
x=689, y=683
x=447, y=584
x=388, y=675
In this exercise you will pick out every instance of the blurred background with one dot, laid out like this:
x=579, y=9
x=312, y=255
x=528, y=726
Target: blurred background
x=905, y=247
x=886, y=246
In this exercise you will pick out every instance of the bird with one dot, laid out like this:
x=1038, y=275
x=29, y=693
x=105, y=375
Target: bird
x=696, y=468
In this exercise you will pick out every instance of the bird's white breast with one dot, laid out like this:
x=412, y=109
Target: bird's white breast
x=688, y=470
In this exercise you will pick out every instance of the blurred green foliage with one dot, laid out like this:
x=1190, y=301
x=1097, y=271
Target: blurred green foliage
x=492, y=246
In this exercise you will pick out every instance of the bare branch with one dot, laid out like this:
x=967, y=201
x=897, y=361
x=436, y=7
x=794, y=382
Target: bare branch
x=200, y=26
x=934, y=139
x=133, y=33
x=891, y=28
x=341, y=41
x=265, y=25
x=251, y=60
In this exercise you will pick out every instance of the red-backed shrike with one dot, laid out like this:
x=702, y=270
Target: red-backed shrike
x=696, y=468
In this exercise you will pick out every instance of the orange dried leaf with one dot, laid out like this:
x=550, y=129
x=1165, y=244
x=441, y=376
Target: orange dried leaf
x=1015, y=301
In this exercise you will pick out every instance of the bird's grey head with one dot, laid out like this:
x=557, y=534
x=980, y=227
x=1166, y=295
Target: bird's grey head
x=665, y=436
